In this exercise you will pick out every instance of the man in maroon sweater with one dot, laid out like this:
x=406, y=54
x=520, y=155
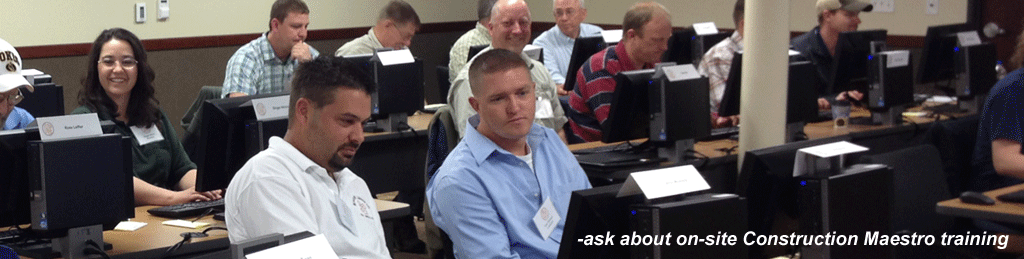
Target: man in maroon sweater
x=645, y=32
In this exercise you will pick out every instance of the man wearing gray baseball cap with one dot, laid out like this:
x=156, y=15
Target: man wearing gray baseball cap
x=11, y=81
x=819, y=44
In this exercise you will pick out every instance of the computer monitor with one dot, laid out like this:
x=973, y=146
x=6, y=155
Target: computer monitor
x=938, y=61
x=399, y=90
x=14, y=183
x=702, y=43
x=222, y=140
x=802, y=97
x=582, y=49
x=850, y=68
x=475, y=49
x=766, y=180
x=680, y=48
x=648, y=106
x=47, y=100
x=595, y=212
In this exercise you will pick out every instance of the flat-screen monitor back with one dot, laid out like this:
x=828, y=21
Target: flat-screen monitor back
x=680, y=48
x=399, y=88
x=850, y=68
x=938, y=57
x=802, y=98
x=703, y=43
x=475, y=49
x=595, y=212
x=47, y=100
x=14, y=182
x=582, y=50
x=222, y=149
x=628, y=115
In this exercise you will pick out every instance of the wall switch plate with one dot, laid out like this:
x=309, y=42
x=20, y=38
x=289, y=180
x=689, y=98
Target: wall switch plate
x=931, y=7
x=140, y=12
x=163, y=10
x=883, y=6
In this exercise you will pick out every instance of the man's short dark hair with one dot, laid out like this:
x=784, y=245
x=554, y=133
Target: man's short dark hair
x=483, y=9
x=317, y=80
x=737, y=12
x=639, y=15
x=282, y=8
x=399, y=12
x=492, y=61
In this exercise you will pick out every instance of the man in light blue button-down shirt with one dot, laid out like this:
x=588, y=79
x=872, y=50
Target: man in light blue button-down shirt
x=488, y=190
x=558, y=41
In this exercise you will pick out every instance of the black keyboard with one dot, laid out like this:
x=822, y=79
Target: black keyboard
x=9, y=234
x=1017, y=197
x=721, y=133
x=190, y=209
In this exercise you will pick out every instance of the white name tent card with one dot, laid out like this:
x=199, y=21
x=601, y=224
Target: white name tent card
x=532, y=51
x=611, y=36
x=395, y=57
x=968, y=38
x=271, y=107
x=897, y=58
x=705, y=28
x=69, y=126
x=315, y=247
x=817, y=153
x=664, y=182
x=680, y=72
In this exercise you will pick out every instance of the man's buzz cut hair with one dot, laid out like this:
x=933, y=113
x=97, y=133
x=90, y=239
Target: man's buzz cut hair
x=490, y=62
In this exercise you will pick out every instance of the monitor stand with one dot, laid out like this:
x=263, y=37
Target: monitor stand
x=71, y=246
x=676, y=153
x=889, y=117
x=793, y=131
x=393, y=122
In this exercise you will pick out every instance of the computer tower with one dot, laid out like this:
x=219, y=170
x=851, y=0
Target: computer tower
x=854, y=202
x=889, y=85
x=975, y=70
x=700, y=215
x=80, y=182
x=399, y=93
x=258, y=133
x=679, y=110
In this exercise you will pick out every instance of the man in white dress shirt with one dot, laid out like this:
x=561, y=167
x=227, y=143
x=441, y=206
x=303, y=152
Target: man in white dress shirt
x=300, y=183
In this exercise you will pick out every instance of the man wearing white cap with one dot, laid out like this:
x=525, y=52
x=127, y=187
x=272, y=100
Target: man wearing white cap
x=819, y=44
x=10, y=94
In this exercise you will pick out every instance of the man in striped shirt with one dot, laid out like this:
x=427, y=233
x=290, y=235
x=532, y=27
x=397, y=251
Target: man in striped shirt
x=645, y=32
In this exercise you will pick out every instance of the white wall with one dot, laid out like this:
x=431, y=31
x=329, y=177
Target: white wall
x=50, y=22
x=909, y=17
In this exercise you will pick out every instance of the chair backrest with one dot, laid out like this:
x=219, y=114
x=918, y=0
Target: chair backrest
x=443, y=83
x=442, y=139
x=955, y=140
x=205, y=93
x=919, y=184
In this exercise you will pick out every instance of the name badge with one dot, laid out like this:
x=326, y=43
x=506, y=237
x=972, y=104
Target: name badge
x=544, y=109
x=270, y=108
x=147, y=135
x=69, y=126
x=546, y=218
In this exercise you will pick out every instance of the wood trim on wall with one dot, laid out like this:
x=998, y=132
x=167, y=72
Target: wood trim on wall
x=81, y=49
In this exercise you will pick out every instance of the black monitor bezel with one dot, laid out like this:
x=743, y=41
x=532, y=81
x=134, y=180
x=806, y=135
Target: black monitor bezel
x=582, y=49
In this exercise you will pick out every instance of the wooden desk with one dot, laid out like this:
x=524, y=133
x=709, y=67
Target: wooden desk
x=152, y=240
x=1001, y=211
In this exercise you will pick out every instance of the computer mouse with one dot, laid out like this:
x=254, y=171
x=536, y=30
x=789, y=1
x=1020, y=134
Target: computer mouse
x=976, y=198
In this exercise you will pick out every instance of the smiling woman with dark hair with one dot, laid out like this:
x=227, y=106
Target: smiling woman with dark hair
x=119, y=87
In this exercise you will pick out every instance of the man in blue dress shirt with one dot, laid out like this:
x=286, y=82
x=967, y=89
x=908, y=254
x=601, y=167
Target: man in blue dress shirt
x=506, y=170
x=558, y=41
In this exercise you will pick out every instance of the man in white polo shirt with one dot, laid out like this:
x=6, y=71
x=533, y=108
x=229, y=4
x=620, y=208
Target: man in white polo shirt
x=300, y=183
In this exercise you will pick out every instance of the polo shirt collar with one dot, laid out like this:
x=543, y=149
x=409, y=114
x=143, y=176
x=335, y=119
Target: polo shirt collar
x=294, y=154
x=266, y=50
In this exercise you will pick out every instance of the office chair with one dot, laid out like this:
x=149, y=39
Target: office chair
x=919, y=184
x=443, y=83
x=7, y=252
x=955, y=140
x=191, y=121
x=442, y=139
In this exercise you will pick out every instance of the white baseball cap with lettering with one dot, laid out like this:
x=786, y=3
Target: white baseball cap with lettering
x=848, y=5
x=10, y=69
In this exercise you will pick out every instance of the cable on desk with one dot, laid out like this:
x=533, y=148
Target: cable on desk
x=214, y=228
x=95, y=249
x=704, y=159
x=184, y=239
x=207, y=212
x=728, y=150
x=402, y=126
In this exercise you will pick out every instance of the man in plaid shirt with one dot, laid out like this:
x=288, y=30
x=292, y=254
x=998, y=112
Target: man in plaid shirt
x=716, y=64
x=265, y=65
x=645, y=32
